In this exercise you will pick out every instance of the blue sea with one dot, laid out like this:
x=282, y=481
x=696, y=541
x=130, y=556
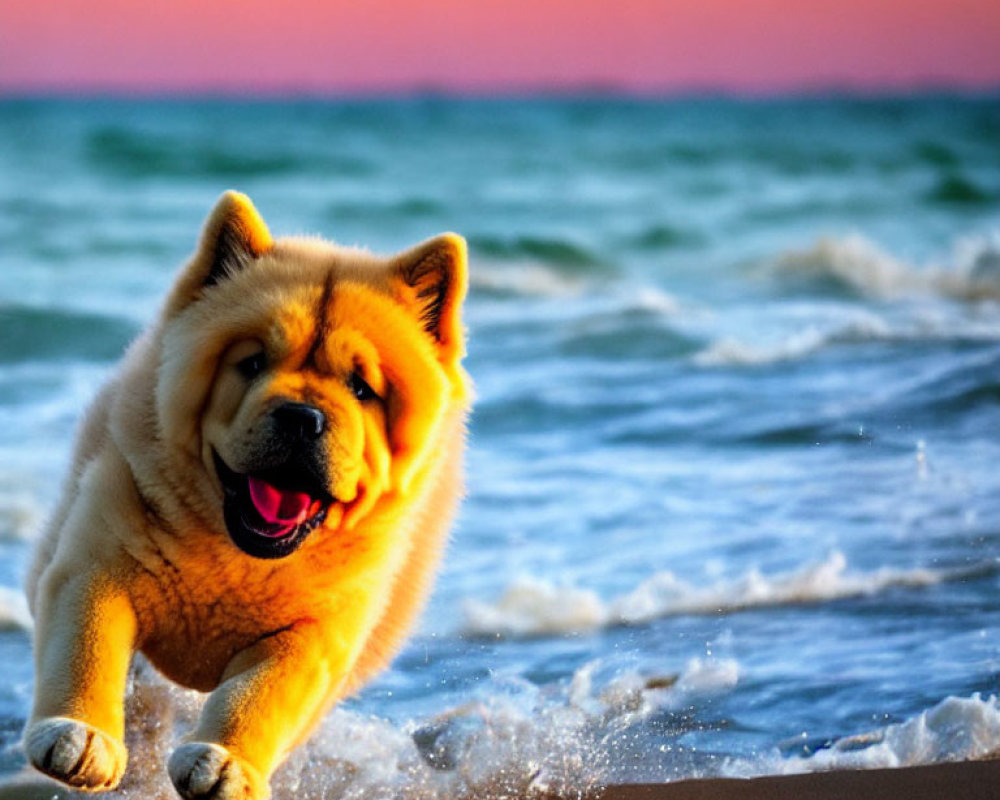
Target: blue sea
x=734, y=466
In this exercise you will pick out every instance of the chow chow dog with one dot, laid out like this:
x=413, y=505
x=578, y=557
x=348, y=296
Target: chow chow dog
x=257, y=501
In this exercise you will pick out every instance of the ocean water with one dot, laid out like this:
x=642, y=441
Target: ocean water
x=734, y=497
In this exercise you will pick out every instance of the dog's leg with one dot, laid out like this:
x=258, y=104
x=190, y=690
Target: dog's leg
x=85, y=631
x=271, y=696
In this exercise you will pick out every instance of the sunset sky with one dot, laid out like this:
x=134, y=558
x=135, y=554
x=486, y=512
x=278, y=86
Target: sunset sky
x=496, y=45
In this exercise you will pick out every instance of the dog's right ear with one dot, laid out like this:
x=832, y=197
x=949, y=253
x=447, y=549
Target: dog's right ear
x=233, y=236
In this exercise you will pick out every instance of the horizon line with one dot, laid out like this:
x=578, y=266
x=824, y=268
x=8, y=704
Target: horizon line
x=581, y=89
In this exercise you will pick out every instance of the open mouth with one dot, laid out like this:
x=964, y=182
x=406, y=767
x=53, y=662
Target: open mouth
x=269, y=514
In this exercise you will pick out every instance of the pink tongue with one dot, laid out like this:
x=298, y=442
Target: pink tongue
x=279, y=507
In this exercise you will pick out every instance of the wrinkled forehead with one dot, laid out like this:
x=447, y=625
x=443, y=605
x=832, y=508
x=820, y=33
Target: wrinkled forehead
x=320, y=262
x=311, y=304
x=330, y=318
x=293, y=286
x=326, y=324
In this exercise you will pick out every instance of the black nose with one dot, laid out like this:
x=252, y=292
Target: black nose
x=299, y=420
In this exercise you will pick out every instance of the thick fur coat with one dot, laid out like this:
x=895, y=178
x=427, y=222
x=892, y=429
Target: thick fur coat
x=257, y=501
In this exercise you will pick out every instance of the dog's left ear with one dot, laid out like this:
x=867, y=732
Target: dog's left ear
x=431, y=280
x=233, y=236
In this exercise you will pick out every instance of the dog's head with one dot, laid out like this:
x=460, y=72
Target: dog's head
x=300, y=382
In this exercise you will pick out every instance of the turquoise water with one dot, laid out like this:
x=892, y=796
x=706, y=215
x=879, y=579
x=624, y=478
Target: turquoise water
x=733, y=496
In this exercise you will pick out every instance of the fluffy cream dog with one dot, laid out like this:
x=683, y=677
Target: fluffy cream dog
x=257, y=501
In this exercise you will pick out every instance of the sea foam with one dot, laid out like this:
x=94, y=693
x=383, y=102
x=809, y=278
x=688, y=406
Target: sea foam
x=526, y=280
x=856, y=264
x=568, y=739
x=21, y=512
x=859, y=326
x=14, y=614
x=520, y=740
x=535, y=607
x=956, y=729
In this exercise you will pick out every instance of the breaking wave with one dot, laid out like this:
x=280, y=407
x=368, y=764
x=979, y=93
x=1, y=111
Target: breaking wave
x=534, y=607
x=956, y=729
x=729, y=351
x=528, y=280
x=20, y=514
x=857, y=266
x=14, y=614
x=567, y=739
x=524, y=740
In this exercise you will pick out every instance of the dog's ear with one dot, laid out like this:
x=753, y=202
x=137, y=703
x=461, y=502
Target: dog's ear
x=233, y=236
x=431, y=280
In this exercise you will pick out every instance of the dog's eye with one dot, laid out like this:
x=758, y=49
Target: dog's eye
x=360, y=389
x=251, y=366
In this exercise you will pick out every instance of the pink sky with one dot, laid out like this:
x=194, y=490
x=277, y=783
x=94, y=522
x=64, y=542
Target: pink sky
x=490, y=45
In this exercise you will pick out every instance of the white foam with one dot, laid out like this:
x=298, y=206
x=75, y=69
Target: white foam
x=631, y=695
x=729, y=351
x=21, y=515
x=859, y=327
x=977, y=261
x=509, y=744
x=854, y=262
x=520, y=740
x=859, y=265
x=14, y=614
x=956, y=729
x=524, y=739
x=534, y=607
x=653, y=300
x=530, y=280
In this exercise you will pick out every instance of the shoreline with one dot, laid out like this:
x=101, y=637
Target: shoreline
x=959, y=780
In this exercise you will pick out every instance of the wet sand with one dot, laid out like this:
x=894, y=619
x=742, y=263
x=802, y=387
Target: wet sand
x=966, y=780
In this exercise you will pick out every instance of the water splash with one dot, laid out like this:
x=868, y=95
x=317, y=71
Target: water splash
x=520, y=740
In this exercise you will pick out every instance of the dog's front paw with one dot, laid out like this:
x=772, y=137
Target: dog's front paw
x=75, y=753
x=203, y=771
